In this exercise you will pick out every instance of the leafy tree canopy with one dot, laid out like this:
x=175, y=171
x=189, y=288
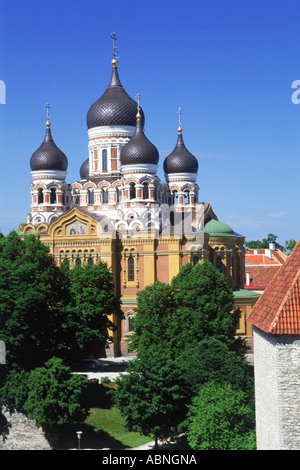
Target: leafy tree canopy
x=271, y=238
x=220, y=419
x=32, y=294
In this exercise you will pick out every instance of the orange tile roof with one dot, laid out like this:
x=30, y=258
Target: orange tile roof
x=277, y=311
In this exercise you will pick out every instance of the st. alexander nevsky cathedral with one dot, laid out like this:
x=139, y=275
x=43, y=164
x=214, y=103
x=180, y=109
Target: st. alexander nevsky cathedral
x=120, y=212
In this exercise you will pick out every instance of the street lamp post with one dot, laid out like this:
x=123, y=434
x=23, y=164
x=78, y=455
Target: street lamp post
x=79, y=437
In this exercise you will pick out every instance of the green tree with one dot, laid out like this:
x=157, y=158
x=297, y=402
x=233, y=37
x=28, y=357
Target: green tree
x=87, y=316
x=171, y=322
x=55, y=395
x=210, y=360
x=204, y=306
x=220, y=419
x=155, y=306
x=32, y=294
x=258, y=244
x=289, y=245
x=151, y=396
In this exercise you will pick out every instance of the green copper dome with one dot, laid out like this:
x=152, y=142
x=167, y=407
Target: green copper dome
x=217, y=228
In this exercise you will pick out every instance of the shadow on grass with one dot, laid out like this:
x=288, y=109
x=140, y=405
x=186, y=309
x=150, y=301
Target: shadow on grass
x=90, y=439
x=98, y=395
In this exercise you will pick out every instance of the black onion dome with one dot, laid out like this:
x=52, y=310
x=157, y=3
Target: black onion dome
x=84, y=169
x=48, y=156
x=139, y=149
x=114, y=107
x=180, y=159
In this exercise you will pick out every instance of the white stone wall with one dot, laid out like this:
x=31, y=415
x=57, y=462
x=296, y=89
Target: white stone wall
x=19, y=433
x=277, y=391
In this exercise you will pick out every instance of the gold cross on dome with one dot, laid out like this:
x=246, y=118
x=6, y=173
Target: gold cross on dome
x=47, y=105
x=179, y=115
x=138, y=100
x=114, y=38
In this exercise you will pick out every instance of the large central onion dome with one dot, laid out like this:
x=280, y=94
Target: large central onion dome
x=114, y=107
x=139, y=150
x=180, y=160
x=48, y=156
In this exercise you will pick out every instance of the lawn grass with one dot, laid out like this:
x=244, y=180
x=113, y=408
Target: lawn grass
x=110, y=422
x=105, y=425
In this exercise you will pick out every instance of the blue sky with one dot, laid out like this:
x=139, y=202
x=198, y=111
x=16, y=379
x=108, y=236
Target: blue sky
x=228, y=64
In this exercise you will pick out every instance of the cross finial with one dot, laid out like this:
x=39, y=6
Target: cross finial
x=179, y=116
x=47, y=105
x=138, y=116
x=138, y=100
x=114, y=38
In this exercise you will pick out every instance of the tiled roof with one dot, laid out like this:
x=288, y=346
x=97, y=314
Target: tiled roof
x=261, y=268
x=277, y=311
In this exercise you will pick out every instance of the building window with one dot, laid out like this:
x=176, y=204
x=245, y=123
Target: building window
x=186, y=197
x=130, y=265
x=53, y=196
x=104, y=160
x=119, y=194
x=145, y=190
x=132, y=191
x=76, y=197
x=175, y=197
x=90, y=262
x=40, y=196
x=104, y=196
x=78, y=262
x=195, y=260
x=91, y=196
x=219, y=264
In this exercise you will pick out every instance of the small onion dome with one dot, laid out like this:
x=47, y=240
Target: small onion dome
x=180, y=159
x=114, y=107
x=217, y=228
x=48, y=156
x=139, y=150
x=84, y=169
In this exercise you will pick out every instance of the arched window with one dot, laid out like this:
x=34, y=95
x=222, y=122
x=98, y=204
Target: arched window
x=195, y=259
x=53, y=196
x=78, y=262
x=104, y=160
x=76, y=196
x=119, y=194
x=175, y=197
x=145, y=190
x=40, y=196
x=219, y=264
x=130, y=266
x=91, y=196
x=104, y=195
x=132, y=191
x=186, y=197
x=90, y=262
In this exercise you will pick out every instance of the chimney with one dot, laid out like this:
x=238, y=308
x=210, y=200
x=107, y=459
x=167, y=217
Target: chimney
x=248, y=279
x=268, y=252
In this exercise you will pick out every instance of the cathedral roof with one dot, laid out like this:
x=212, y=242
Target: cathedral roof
x=216, y=228
x=114, y=107
x=277, y=311
x=180, y=160
x=139, y=150
x=48, y=156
